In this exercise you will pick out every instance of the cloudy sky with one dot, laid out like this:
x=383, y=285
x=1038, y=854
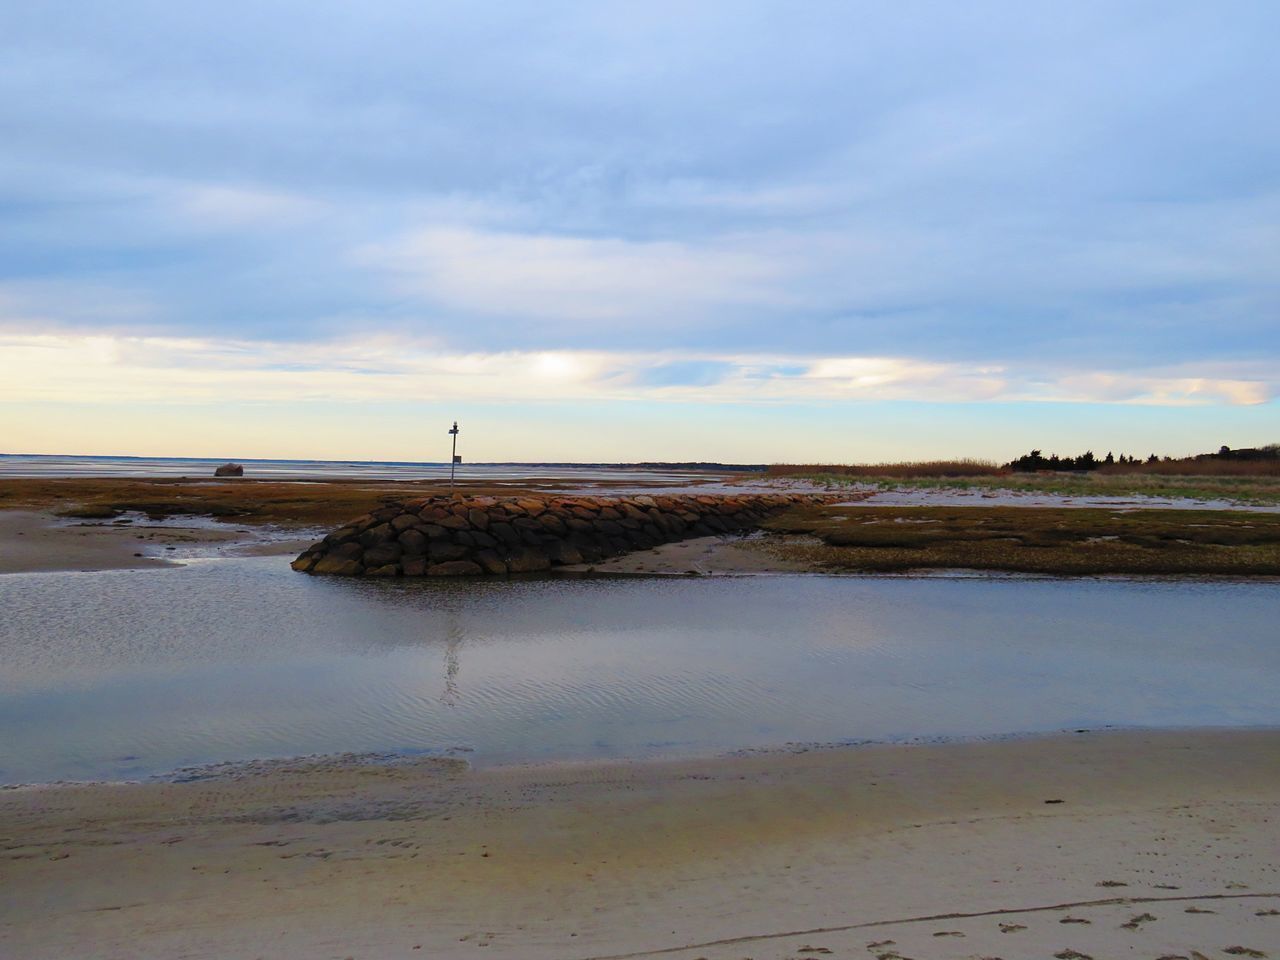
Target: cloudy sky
x=736, y=231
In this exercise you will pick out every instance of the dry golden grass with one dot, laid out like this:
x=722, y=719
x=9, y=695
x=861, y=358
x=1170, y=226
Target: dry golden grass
x=923, y=468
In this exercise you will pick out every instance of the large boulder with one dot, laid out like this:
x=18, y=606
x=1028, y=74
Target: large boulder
x=229, y=470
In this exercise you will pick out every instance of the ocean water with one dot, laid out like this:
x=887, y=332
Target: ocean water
x=123, y=674
x=21, y=465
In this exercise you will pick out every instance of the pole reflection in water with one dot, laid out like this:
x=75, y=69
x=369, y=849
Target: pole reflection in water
x=452, y=645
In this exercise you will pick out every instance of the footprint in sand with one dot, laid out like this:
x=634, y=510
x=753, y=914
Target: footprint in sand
x=1072, y=955
x=1011, y=927
x=1134, y=923
x=1074, y=920
x=1198, y=910
x=1244, y=952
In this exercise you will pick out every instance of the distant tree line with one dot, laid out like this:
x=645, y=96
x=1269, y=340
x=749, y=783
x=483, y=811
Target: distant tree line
x=1035, y=460
x=1270, y=452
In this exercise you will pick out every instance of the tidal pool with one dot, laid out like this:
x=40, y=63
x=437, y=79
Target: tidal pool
x=122, y=674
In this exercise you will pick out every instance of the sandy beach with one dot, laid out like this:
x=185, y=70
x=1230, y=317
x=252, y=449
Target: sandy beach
x=1093, y=844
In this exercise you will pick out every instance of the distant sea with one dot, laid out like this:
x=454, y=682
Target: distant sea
x=32, y=465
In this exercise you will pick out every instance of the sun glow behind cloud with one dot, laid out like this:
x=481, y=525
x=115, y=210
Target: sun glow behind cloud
x=107, y=368
x=682, y=211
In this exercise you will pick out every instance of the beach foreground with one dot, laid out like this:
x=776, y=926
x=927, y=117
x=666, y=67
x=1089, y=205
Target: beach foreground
x=1150, y=844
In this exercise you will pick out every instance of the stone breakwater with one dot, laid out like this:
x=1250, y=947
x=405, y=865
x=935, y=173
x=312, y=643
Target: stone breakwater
x=474, y=536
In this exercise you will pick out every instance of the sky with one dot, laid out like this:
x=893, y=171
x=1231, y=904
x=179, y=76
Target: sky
x=748, y=232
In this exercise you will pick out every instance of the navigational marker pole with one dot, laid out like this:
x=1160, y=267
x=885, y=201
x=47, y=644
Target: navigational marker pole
x=453, y=457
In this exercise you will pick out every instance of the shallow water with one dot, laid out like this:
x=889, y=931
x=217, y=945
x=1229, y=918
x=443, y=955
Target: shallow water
x=120, y=674
x=41, y=465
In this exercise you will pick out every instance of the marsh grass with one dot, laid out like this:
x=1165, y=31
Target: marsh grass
x=282, y=503
x=1031, y=540
x=1247, y=489
x=921, y=468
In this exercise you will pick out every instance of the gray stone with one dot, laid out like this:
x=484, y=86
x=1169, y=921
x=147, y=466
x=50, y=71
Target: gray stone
x=413, y=542
x=382, y=554
x=338, y=567
x=348, y=551
x=441, y=551
x=551, y=522
x=454, y=568
x=526, y=561
x=491, y=562
x=375, y=535
x=561, y=552
x=504, y=532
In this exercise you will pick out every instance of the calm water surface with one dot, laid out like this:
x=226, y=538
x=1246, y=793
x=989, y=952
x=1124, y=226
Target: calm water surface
x=41, y=465
x=124, y=673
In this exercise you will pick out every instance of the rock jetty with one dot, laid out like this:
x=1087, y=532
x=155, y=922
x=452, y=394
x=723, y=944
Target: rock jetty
x=495, y=536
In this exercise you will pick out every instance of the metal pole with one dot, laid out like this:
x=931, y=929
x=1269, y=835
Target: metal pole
x=453, y=455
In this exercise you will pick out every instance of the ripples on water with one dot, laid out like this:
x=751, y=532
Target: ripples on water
x=123, y=673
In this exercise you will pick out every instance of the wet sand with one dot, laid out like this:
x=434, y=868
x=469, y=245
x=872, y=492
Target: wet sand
x=33, y=542
x=725, y=555
x=1141, y=844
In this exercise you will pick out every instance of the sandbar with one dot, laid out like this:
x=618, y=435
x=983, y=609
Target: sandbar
x=37, y=542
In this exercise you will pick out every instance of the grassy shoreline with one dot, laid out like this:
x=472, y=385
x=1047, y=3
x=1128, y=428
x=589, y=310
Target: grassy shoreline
x=1064, y=541
x=1251, y=491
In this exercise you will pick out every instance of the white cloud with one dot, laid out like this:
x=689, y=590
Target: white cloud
x=73, y=367
x=577, y=278
x=232, y=205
